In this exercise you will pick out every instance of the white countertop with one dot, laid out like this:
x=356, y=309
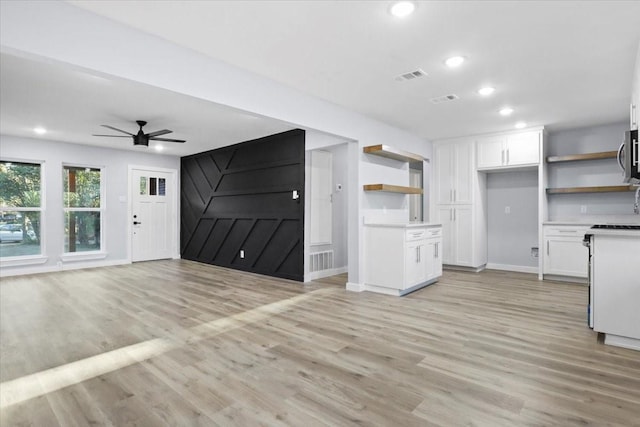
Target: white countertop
x=614, y=232
x=404, y=224
x=589, y=220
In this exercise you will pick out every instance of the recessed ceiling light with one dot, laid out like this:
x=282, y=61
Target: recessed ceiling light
x=401, y=9
x=486, y=91
x=521, y=125
x=159, y=148
x=506, y=111
x=454, y=61
x=40, y=130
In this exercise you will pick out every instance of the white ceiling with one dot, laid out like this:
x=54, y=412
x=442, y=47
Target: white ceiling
x=72, y=104
x=558, y=64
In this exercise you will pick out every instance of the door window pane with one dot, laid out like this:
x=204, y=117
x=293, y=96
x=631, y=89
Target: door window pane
x=152, y=186
x=161, y=186
x=143, y=185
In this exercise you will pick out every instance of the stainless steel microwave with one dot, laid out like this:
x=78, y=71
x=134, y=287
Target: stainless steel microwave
x=628, y=154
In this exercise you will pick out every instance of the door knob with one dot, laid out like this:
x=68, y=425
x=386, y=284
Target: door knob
x=136, y=222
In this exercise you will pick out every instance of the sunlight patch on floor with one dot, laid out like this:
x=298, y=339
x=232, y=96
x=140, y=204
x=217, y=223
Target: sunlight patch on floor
x=50, y=380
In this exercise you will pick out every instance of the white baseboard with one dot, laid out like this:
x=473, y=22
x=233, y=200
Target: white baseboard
x=355, y=287
x=509, y=267
x=325, y=273
x=63, y=267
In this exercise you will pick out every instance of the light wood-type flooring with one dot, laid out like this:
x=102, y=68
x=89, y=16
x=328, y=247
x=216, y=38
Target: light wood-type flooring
x=181, y=343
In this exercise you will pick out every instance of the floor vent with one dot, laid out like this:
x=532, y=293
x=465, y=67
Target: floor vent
x=319, y=261
x=445, y=98
x=411, y=75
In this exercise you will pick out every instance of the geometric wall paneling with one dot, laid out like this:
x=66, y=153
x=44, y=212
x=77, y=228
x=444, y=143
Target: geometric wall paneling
x=237, y=206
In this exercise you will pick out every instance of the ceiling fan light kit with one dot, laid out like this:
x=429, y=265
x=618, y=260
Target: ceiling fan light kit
x=142, y=138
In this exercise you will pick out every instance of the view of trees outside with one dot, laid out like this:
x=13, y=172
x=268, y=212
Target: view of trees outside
x=20, y=213
x=82, y=205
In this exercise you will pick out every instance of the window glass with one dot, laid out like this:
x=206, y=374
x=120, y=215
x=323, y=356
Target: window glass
x=152, y=186
x=81, y=231
x=81, y=187
x=82, y=209
x=143, y=185
x=161, y=186
x=20, y=209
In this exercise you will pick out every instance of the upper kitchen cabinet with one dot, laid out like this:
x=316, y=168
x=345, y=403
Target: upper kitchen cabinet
x=453, y=169
x=509, y=151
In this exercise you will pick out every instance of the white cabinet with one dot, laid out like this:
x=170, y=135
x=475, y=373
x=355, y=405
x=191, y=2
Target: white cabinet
x=415, y=265
x=459, y=204
x=564, y=254
x=434, y=253
x=457, y=230
x=401, y=258
x=504, y=151
x=453, y=168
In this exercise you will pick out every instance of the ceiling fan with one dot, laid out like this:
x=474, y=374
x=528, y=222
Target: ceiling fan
x=142, y=138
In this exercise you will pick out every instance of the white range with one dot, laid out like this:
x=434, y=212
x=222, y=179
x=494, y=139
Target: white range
x=614, y=283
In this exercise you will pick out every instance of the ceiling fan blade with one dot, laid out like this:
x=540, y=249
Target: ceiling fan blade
x=116, y=129
x=168, y=140
x=159, y=132
x=114, y=136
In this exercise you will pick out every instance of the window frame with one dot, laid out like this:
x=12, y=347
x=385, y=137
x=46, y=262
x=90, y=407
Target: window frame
x=20, y=260
x=84, y=255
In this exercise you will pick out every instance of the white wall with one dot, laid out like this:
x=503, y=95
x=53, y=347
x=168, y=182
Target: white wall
x=82, y=39
x=587, y=173
x=339, y=244
x=511, y=236
x=116, y=175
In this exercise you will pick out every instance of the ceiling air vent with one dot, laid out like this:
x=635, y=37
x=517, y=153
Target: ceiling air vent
x=444, y=98
x=412, y=75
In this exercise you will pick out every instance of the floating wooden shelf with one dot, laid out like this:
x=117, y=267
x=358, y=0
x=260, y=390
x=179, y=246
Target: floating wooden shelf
x=601, y=189
x=393, y=153
x=392, y=188
x=579, y=157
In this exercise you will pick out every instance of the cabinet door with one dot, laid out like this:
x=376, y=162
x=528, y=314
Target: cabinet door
x=463, y=171
x=566, y=256
x=463, y=226
x=523, y=149
x=415, y=264
x=445, y=217
x=491, y=152
x=434, y=258
x=443, y=170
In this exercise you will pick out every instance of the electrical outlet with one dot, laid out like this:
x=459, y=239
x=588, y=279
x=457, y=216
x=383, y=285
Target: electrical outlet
x=507, y=210
x=241, y=253
x=583, y=209
x=534, y=252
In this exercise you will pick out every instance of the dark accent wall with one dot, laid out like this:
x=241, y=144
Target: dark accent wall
x=240, y=198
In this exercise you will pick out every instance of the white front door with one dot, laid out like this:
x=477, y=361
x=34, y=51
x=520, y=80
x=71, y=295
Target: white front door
x=152, y=214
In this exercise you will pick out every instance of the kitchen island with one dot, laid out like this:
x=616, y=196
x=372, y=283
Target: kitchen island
x=403, y=257
x=614, y=290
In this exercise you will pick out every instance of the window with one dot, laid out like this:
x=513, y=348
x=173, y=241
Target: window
x=20, y=209
x=82, y=209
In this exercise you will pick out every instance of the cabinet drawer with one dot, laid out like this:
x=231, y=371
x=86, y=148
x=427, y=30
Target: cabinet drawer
x=413, y=235
x=566, y=231
x=434, y=232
